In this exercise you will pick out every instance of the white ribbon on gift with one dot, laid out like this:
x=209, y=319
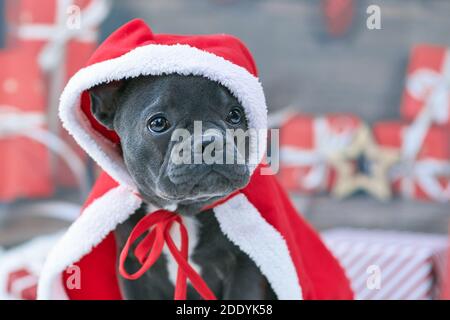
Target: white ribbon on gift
x=14, y=122
x=326, y=142
x=59, y=34
x=425, y=173
x=434, y=88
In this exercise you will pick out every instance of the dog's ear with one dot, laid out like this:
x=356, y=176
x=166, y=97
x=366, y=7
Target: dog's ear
x=104, y=102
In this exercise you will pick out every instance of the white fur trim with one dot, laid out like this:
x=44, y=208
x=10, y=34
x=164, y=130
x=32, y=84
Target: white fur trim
x=241, y=222
x=96, y=222
x=158, y=60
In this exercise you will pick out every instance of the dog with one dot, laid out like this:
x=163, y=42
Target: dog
x=145, y=112
x=135, y=109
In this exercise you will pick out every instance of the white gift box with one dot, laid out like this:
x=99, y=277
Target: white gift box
x=390, y=265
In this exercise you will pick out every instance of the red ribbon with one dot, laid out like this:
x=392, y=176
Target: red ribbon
x=157, y=225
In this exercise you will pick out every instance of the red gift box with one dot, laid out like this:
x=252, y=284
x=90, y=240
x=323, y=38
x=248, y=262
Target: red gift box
x=427, y=176
x=24, y=165
x=428, y=84
x=58, y=33
x=305, y=143
x=44, y=28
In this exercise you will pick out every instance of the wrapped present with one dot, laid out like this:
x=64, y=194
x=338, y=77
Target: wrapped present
x=389, y=265
x=21, y=266
x=428, y=84
x=59, y=33
x=426, y=175
x=306, y=143
x=52, y=30
x=24, y=165
x=25, y=142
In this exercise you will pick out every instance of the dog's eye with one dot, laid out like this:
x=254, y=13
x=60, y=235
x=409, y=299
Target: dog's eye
x=158, y=124
x=235, y=116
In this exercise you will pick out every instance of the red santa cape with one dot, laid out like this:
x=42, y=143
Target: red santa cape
x=259, y=219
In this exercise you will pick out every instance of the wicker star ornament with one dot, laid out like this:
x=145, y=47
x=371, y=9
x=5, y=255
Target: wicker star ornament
x=350, y=179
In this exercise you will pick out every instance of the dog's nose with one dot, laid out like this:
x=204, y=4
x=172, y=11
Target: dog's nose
x=206, y=139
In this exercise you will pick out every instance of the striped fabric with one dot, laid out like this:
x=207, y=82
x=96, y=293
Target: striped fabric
x=390, y=265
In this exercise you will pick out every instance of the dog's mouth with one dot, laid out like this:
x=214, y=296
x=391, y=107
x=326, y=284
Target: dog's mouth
x=212, y=180
x=201, y=183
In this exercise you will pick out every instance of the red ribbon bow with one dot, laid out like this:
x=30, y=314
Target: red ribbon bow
x=157, y=225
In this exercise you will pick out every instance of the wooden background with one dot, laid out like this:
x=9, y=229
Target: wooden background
x=299, y=64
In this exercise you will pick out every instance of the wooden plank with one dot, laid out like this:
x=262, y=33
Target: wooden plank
x=362, y=211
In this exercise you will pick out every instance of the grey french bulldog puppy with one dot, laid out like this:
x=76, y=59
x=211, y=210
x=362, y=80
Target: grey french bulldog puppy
x=144, y=112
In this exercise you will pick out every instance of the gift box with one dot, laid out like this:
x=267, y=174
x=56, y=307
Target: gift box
x=49, y=29
x=389, y=265
x=428, y=84
x=58, y=33
x=21, y=266
x=427, y=175
x=24, y=164
x=305, y=144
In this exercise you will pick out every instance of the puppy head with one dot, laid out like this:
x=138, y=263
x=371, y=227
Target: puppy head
x=181, y=137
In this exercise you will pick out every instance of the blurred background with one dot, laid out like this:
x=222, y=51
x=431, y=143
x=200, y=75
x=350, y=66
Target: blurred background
x=360, y=90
